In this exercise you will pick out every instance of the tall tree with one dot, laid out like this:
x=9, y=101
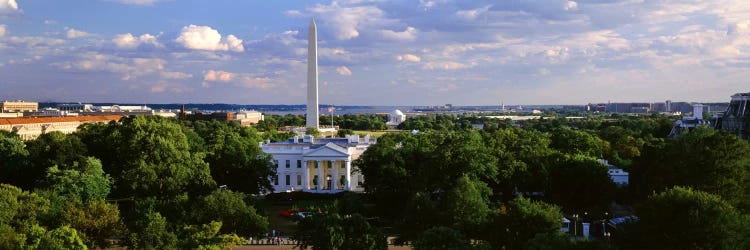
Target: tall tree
x=571, y=181
x=683, y=218
x=230, y=209
x=14, y=162
x=704, y=159
x=519, y=221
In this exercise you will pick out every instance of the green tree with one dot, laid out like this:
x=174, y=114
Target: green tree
x=82, y=182
x=237, y=161
x=62, y=238
x=344, y=132
x=412, y=178
x=523, y=159
x=96, y=220
x=520, y=221
x=313, y=131
x=207, y=237
x=20, y=209
x=683, y=218
x=573, y=142
x=151, y=232
x=13, y=163
x=442, y=238
x=704, y=159
x=153, y=158
x=55, y=149
x=572, y=180
x=230, y=209
x=331, y=231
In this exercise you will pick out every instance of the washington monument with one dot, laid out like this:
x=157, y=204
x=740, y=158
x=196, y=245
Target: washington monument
x=312, y=76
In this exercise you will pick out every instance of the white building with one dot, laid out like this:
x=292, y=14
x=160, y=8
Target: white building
x=618, y=175
x=688, y=123
x=395, y=118
x=302, y=160
x=247, y=117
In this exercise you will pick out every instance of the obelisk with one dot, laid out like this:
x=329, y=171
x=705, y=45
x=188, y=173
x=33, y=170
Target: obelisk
x=312, y=76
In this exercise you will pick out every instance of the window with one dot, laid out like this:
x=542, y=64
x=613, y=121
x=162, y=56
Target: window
x=276, y=180
x=288, y=163
x=276, y=163
x=316, y=164
x=299, y=180
x=287, y=180
x=299, y=163
x=329, y=163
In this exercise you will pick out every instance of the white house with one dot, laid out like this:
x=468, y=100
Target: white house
x=302, y=160
x=618, y=176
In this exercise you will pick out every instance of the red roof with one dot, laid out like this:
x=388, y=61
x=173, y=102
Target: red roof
x=33, y=120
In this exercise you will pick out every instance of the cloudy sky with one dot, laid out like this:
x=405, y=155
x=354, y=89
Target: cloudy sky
x=375, y=52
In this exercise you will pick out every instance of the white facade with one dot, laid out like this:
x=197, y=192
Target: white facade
x=395, y=118
x=312, y=77
x=301, y=160
x=618, y=176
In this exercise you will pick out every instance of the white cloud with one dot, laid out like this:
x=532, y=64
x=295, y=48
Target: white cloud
x=126, y=68
x=207, y=38
x=175, y=75
x=570, y=5
x=473, y=13
x=344, y=71
x=346, y=21
x=238, y=79
x=407, y=35
x=408, y=58
x=3, y=29
x=8, y=7
x=128, y=41
x=446, y=65
x=136, y=2
x=74, y=33
x=218, y=75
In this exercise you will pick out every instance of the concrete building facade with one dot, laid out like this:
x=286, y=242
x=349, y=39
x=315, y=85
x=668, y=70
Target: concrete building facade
x=18, y=106
x=317, y=165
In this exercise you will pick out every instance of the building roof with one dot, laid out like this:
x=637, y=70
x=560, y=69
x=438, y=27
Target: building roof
x=34, y=120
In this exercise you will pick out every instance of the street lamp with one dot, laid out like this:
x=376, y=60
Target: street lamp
x=575, y=225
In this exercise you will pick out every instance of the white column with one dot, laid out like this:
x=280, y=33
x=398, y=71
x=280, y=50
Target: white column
x=334, y=175
x=348, y=175
x=320, y=176
x=306, y=176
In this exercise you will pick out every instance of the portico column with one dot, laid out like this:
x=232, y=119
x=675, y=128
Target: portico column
x=334, y=175
x=348, y=175
x=306, y=175
x=320, y=176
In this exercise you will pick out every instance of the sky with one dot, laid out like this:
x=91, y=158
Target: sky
x=375, y=52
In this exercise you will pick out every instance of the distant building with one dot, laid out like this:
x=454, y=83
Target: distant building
x=736, y=119
x=32, y=127
x=18, y=106
x=248, y=117
x=395, y=118
x=618, y=175
x=688, y=123
x=75, y=107
x=317, y=165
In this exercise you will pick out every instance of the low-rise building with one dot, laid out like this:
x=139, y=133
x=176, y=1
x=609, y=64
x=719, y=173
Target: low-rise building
x=247, y=117
x=18, y=106
x=618, y=175
x=29, y=128
x=318, y=165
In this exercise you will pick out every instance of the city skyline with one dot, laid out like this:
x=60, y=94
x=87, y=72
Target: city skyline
x=375, y=52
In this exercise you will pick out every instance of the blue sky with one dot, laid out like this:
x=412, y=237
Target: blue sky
x=375, y=52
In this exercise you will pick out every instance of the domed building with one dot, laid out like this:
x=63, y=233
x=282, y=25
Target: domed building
x=395, y=118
